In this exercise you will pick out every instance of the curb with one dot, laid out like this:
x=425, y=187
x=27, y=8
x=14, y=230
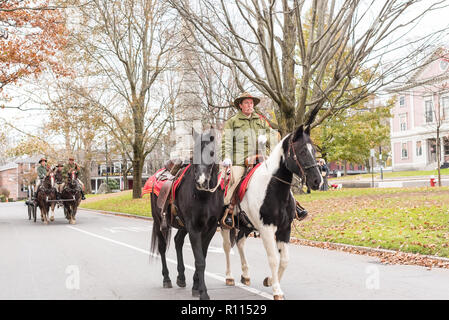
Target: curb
x=387, y=256
x=119, y=214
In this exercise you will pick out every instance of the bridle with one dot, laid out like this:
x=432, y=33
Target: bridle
x=218, y=180
x=291, y=149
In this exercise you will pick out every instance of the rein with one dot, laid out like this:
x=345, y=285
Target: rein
x=291, y=148
x=218, y=181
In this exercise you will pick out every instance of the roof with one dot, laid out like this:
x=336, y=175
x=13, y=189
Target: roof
x=413, y=82
x=9, y=166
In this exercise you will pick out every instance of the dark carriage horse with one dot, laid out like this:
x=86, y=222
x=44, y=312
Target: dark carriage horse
x=45, y=192
x=199, y=206
x=71, y=196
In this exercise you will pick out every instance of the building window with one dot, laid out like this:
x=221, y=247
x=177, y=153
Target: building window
x=429, y=111
x=117, y=167
x=403, y=121
x=402, y=101
x=446, y=146
x=445, y=107
x=418, y=148
x=404, y=152
x=102, y=169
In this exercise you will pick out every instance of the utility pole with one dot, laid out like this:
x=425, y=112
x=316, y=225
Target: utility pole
x=107, y=173
x=372, y=168
x=381, y=163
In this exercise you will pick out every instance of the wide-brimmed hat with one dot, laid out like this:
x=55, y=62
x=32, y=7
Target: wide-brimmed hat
x=243, y=96
x=42, y=159
x=60, y=165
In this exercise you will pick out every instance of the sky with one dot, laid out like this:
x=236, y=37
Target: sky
x=31, y=121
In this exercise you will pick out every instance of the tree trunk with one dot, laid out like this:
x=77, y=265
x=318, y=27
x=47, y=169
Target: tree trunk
x=137, y=177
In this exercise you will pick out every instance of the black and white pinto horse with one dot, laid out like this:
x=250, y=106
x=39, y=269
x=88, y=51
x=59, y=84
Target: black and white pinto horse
x=72, y=196
x=199, y=203
x=270, y=205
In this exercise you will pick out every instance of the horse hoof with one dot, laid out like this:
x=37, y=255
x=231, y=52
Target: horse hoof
x=245, y=281
x=278, y=297
x=167, y=284
x=195, y=293
x=45, y=222
x=52, y=219
x=181, y=283
x=267, y=282
x=230, y=282
x=204, y=296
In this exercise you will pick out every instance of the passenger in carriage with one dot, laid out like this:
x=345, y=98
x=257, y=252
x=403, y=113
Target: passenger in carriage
x=73, y=165
x=59, y=179
x=42, y=171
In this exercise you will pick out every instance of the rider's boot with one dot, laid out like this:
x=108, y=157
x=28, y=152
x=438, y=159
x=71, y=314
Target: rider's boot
x=82, y=195
x=301, y=213
x=228, y=217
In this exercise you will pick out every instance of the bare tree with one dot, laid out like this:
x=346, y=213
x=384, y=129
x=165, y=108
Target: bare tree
x=312, y=55
x=129, y=44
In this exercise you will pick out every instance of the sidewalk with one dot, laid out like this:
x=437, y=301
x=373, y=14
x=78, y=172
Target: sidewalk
x=396, y=182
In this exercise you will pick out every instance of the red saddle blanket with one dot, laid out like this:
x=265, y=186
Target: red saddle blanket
x=152, y=182
x=245, y=182
x=152, y=185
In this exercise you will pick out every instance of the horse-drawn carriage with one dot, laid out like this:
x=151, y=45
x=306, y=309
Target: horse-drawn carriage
x=46, y=199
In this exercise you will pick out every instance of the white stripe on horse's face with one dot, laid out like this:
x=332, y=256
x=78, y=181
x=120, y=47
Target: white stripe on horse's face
x=310, y=148
x=201, y=179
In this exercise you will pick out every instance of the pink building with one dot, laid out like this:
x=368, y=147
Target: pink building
x=422, y=105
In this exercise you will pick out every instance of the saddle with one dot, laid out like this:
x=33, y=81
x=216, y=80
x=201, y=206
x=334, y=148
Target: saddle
x=250, y=163
x=170, y=174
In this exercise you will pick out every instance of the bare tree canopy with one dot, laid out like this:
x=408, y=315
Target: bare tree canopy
x=310, y=55
x=128, y=45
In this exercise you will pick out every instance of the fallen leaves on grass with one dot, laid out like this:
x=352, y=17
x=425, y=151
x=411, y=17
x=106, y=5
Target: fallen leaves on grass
x=385, y=256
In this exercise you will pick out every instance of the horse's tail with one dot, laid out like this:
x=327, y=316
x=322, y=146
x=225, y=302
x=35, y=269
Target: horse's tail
x=157, y=234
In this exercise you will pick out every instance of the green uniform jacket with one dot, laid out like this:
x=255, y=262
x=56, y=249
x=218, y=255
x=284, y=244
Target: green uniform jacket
x=240, y=135
x=41, y=171
x=67, y=168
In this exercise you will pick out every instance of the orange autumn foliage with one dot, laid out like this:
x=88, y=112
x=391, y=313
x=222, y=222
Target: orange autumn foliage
x=31, y=35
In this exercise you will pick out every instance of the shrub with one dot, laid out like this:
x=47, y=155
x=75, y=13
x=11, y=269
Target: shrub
x=5, y=192
x=113, y=184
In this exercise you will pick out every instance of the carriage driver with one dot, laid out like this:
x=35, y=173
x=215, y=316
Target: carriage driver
x=42, y=172
x=59, y=179
x=73, y=165
x=242, y=135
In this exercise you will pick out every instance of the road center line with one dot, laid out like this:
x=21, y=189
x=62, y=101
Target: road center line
x=209, y=274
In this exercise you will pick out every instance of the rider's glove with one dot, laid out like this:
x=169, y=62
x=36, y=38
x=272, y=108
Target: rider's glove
x=262, y=139
x=227, y=162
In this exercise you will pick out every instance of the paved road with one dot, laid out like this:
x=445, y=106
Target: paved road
x=106, y=257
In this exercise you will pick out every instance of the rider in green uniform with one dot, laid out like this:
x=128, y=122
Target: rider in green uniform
x=69, y=167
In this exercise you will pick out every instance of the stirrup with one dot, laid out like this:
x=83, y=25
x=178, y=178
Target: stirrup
x=224, y=221
x=301, y=213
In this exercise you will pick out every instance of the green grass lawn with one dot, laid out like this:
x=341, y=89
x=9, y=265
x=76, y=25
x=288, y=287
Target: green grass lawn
x=121, y=202
x=412, y=220
x=393, y=175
